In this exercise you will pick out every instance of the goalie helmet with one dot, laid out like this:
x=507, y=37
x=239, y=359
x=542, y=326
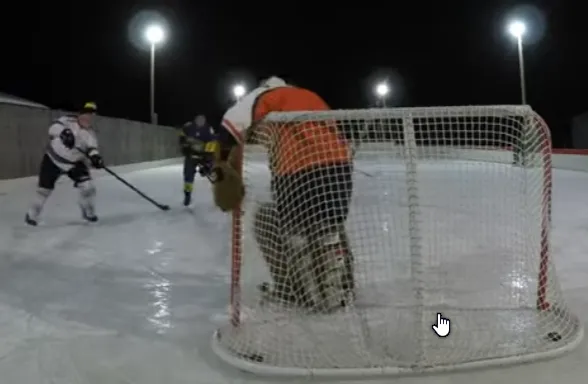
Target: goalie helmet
x=273, y=82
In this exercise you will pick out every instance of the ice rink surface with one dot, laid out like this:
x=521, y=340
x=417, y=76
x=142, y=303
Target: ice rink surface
x=136, y=297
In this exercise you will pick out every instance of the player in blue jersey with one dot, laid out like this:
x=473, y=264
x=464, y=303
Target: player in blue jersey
x=198, y=143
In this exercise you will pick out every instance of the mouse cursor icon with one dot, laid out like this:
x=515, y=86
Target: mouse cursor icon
x=441, y=327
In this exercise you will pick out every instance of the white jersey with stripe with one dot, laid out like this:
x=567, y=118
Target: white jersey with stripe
x=239, y=117
x=64, y=157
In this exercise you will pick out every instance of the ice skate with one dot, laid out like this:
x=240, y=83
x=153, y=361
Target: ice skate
x=90, y=218
x=277, y=296
x=89, y=215
x=187, y=198
x=30, y=221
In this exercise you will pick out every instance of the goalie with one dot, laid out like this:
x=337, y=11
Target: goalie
x=301, y=233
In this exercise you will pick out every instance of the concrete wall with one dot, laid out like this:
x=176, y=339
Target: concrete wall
x=572, y=159
x=16, y=185
x=23, y=137
x=580, y=131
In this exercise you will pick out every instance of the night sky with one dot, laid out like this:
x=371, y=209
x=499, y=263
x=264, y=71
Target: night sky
x=434, y=53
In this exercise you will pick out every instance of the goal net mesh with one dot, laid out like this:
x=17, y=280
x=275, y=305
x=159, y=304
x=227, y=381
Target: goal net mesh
x=449, y=213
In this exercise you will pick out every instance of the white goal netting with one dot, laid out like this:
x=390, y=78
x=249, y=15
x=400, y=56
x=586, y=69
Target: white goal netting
x=449, y=212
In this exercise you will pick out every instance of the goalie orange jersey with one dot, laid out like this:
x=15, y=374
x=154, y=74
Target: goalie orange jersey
x=293, y=146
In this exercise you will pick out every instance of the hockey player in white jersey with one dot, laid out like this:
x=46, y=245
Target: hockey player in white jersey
x=72, y=144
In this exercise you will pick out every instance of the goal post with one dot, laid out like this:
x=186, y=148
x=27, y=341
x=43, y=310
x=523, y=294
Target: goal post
x=449, y=212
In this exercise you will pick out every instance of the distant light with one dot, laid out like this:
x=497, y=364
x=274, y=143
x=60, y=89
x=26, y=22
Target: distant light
x=382, y=89
x=154, y=34
x=517, y=29
x=239, y=91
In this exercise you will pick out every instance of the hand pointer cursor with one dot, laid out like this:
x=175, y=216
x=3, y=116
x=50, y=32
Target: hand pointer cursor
x=441, y=328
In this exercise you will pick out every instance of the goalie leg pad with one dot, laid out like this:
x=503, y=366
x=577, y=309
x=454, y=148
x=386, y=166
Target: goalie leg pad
x=266, y=228
x=324, y=265
x=267, y=235
x=284, y=257
x=333, y=269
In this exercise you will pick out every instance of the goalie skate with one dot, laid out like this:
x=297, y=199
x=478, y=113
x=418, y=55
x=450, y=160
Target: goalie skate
x=335, y=289
x=271, y=295
x=327, y=289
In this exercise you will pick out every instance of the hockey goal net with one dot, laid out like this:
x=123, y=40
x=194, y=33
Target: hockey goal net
x=449, y=213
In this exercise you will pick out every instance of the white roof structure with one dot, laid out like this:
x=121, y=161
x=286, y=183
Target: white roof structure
x=10, y=99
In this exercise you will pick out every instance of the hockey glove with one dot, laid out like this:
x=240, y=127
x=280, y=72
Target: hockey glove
x=205, y=170
x=97, y=161
x=67, y=138
x=227, y=187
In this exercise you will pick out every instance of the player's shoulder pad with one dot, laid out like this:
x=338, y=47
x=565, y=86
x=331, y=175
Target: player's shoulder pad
x=65, y=120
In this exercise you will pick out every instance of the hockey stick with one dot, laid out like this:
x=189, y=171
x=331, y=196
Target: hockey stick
x=367, y=174
x=163, y=207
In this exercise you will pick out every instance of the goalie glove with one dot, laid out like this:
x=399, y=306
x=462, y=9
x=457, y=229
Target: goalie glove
x=205, y=170
x=227, y=187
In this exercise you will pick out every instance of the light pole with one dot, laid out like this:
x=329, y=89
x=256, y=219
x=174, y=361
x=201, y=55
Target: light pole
x=239, y=91
x=154, y=34
x=518, y=29
x=382, y=90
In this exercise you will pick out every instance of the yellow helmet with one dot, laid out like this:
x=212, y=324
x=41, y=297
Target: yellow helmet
x=89, y=107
